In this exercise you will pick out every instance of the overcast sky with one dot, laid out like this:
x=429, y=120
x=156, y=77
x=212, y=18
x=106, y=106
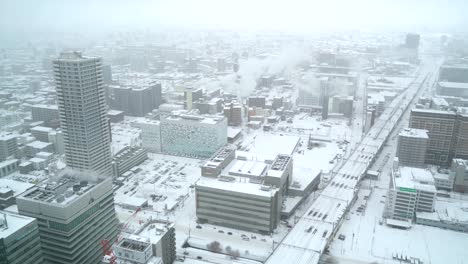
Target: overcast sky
x=285, y=15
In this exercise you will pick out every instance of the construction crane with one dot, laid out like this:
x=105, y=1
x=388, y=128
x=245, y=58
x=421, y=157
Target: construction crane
x=109, y=256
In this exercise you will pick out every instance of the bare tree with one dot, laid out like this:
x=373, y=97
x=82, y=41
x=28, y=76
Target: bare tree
x=214, y=246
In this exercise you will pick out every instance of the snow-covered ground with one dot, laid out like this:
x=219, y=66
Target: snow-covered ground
x=368, y=240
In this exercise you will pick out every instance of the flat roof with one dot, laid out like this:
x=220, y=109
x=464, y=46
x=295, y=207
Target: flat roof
x=17, y=187
x=238, y=185
x=204, y=119
x=8, y=162
x=415, y=178
x=455, y=85
x=62, y=191
x=399, y=223
x=247, y=168
x=414, y=133
x=434, y=111
x=38, y=144
x=262, y=144
x=14, y=222
x=42, y=129
x=51, y=107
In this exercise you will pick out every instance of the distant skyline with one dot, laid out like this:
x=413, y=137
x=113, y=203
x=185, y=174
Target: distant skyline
x=296, y=16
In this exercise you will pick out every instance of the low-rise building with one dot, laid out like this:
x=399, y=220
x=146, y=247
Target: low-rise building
x=128, y=158
x=41, y=133
x=45, y=113
x=411, y=190
x=9, y=189
x=158, y=248
x=35, y=147
x=448, y=216
x=7, y=167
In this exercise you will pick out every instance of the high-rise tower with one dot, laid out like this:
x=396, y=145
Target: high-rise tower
x=83, y=112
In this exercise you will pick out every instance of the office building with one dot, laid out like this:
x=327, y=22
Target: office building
x=238, y=204
x=219, y=161
x=449, y=216
x=75, y=213
x=189, y=135
x=83, y=112
x=46, y=113
x=460, y=168
x=441, y=127
x=411, y=190
x=460, y=145
x=412, y=41
x=128, y=158
x=243, y=193
x=19, y=239
x=412, y=147
x=233, y=113
x=307, y=98
x=150, y=134
x=257, y=101
x=455, y=89
x=136, y=101
x=447, y=131
x=8, y=146
x=107, y=73
x=115, y=116
x=159, y=248
x=7, y=167
x=41, y=133
x=31, y=149
x=457, y=73
x=192, y=95
x=56, y=138
x=343, y=105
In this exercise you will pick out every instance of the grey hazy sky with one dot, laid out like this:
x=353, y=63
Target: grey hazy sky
x=294, y=15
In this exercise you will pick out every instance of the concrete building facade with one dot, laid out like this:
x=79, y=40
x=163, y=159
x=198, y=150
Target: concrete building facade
x=441, y=127
x=411, y=190
x=193, y=135
x=74, y=215
x=19, y=239
x=237, y=205
x=8, y=146
x=412, y=147
x=83, y=112
x=136, y=101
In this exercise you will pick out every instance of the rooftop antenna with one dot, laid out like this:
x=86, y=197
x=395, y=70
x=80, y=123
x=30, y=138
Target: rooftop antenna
x=4, y=222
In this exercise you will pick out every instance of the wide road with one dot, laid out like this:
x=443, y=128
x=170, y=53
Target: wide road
x=309, y=238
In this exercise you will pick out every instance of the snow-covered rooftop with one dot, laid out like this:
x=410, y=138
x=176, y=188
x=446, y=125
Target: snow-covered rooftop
x=414, y=133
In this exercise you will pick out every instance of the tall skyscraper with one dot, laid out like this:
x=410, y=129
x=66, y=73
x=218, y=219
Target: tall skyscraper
x=74, y=216
x=83, y=112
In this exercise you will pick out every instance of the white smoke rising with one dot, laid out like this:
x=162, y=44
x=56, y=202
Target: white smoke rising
x=250, y=70
x=80, y=175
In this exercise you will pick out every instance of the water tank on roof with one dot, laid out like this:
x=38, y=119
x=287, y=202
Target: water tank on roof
x=76, y=187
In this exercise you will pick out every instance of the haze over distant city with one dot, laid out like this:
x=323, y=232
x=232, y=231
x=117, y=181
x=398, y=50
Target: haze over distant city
x=288, y=16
